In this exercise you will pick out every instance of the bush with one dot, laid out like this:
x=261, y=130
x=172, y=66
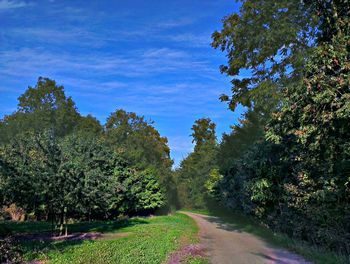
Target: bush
x=9, y=251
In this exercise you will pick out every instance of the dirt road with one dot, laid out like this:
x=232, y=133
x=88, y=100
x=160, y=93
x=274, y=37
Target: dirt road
x=226, y=245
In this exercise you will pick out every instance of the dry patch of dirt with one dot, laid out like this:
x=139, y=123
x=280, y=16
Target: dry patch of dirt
x=189, y=250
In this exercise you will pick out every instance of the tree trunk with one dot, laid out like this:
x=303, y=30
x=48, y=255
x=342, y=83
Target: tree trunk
x=65, y=222
x=61, y=222
x=52, y=220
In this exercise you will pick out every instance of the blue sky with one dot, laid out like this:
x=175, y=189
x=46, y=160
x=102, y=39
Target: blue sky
x=152, y=57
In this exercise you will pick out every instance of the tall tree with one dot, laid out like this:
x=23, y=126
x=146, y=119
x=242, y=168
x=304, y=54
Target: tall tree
x=203, y=132
x=296, y=178
x=47, y=107
x=312, y=129
x=137, y=140
x=268, y=42
x=196, y=168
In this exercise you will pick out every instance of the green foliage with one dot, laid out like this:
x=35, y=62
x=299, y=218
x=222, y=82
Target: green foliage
x=55, y=163
x=46, y=107
x=52, y=177
x=249, y=130
x=312, y=128
x=213, y=182
x=296, y=179
x=195, y=170
x=139, y=191
x=137, y=140
x=243, y=223
x=141, y=145
x=203, y=132
x=89, y=125
x=268, y=40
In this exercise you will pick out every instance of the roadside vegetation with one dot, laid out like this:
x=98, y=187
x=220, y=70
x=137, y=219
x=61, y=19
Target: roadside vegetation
x=248, y=224
x=286, y=163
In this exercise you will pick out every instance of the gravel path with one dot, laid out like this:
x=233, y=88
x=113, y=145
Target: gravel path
x=226, y=245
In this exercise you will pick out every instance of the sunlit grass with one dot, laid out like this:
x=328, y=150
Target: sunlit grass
x=147, y=240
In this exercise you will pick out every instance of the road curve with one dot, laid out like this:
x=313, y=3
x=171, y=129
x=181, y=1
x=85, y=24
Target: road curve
x=226, y=245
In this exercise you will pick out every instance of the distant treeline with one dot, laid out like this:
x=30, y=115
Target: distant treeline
x=56, y=164
x=287, y=162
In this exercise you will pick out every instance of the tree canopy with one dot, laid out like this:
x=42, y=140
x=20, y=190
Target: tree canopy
x=56, y=163
x=287, y=162
x=266, y=42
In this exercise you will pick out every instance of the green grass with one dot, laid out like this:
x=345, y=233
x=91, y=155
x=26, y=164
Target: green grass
x=249, y=225
x=147, y=240
x=198, y=211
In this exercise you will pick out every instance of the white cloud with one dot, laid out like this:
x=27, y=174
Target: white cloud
x=192, y=39
x=8, y=4
x=181, y=144
x=169, y=24
x=147, y=62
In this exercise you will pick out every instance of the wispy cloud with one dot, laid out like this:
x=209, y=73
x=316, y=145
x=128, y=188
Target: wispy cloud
x=181, y=144
x=155, y=62
x=147, y=62
x=191, y=39
x=169, y=24
x=73, y=36
x=8, y=4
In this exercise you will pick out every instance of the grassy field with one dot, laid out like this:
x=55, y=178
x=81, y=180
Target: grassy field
x=244, y=223
x=138, y=240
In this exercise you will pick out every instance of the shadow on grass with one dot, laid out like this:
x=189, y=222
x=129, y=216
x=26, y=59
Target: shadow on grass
x=39, y=249
x=105, y=226
x=35, y=239
x=11, y=228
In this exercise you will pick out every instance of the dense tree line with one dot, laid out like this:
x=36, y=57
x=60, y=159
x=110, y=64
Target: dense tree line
x=56, y=163
x=195, y=170
x=287, y=162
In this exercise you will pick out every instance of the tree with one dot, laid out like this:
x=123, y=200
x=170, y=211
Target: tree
x=88, y=164
x=55, y=163
x=196, y=168
x=203, y=132
x=138, y=191
x=292, y=174
x=268, y=41
x=46, y=107
x=20, y=175
x=137, y=140
x=89, y=125
x=234, y=145
x=312, y=129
